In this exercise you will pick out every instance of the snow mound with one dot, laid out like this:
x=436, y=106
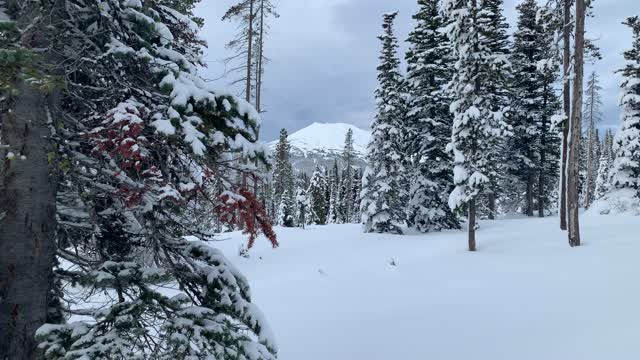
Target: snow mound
x=327, y=137
x=618, y=202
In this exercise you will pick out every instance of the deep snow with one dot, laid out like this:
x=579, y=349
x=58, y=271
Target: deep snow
x=331, y=293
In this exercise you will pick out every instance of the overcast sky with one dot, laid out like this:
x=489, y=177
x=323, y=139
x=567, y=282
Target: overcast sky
x=324, y=56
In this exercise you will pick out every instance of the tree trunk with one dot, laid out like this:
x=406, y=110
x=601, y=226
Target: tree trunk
x=260, y=57
x=588, y=182
x=541, y=173
x=567, y=112
x=27, y=201
x=249, y=53
x=491, y=197
x=531, y=180
x=574, y=159
x=472, y=225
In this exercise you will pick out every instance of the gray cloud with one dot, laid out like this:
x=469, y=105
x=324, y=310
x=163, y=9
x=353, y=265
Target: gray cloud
x=324, y=55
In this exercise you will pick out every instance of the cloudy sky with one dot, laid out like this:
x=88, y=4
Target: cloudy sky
x=324, y=56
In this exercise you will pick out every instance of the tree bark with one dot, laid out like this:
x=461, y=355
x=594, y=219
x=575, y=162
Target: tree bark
x=260, y=58
x=472, y=225
x=567, y=112
x=249, y=53
x=491, y=197
x=588, y=182
x=576, y=127
x=531, y=180
x=27, y=198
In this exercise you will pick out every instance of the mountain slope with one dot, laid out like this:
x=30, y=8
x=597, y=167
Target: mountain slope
x=322, y=143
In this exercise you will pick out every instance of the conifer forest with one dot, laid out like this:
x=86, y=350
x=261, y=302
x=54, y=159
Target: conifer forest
x=319, y=179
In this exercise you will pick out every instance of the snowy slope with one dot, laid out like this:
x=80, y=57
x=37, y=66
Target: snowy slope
x=322, y=143
x=331, y=293
x=328, y=137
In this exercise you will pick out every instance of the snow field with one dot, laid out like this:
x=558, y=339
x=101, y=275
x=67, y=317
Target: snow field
x=332, y=292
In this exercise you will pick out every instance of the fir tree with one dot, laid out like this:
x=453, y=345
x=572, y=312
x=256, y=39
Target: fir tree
x=478, y=121
x=592, y=116
x=346, y=184
x=286, y=210
x=301, y=207
x=532, y=154
x=626, y=166
x=316, y=195
x=381, y=205
x=429, y=121
x=283, y=177
x=141, y=138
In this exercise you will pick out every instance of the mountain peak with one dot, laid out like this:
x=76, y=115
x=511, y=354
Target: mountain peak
x=327, y=137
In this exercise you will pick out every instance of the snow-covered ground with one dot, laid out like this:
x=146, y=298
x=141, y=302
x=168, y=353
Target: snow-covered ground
x=331, y=293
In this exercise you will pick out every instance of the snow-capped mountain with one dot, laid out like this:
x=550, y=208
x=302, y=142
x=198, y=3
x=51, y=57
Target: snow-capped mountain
x=322, y=143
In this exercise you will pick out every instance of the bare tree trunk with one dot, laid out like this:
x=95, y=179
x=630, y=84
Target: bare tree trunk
x=260, y=58
x=574, y=155
x=249, y=53
x=27, y=199
x=567, y=112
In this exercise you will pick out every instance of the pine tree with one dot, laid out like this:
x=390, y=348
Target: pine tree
x=532, y=149
x=282, y=171
x=381, y=205
x=301, y=207
x=248, y=58
x=334, y=196
x=142, y=138
x=604, y=170
x=286, y=210
x=30, y=88
x=478, y=122
x=429, y=121
x=626, y=166
x=346, y=184
x=592, y=116
x=316, y=195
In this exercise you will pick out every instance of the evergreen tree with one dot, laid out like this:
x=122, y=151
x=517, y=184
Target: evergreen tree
x=381, y=205
x=429, y=121
x=301, y=207
x=604, y=170
x=346, y=184
x=532, y=149
x=626, y=166
x=316, y=195
x=592, y=115
x=286, y=210
x=479, y=120
x=334, y=196
x=141, y=138
x=283, y=178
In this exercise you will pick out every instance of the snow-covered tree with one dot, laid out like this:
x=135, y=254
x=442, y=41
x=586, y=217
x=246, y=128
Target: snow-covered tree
x=605, y=163
x=381, y=197
x=301, y=207
x=334, y=194
x=533, y=155
x=286, y=210
x=316, y=195
x=345, y=208
x=142, y=137
x=626, y=166
x=592, y=116
x=479, y=117
x=429, y=121
x=283, y=178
